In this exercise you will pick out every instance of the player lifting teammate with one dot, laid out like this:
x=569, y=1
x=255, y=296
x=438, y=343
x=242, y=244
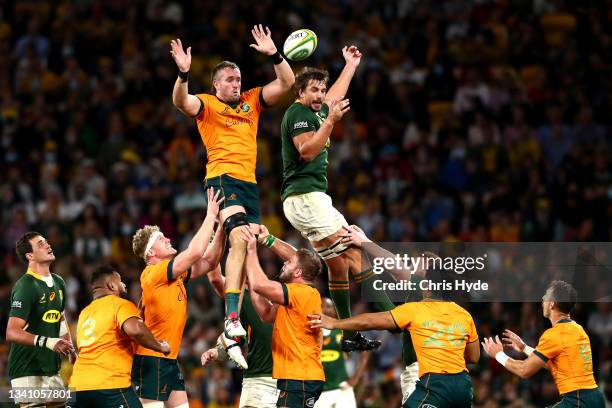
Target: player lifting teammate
x=157, y=377
x=305, y=132
x=227, y=122
x=36, y=325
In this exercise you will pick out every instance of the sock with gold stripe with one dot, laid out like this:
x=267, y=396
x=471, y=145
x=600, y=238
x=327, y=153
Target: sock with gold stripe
x=341, y=295
x=378, y=297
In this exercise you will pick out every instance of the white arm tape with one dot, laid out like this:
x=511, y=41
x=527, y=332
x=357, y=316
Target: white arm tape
x=63, y=328
x=528, y=350
x=502, y=358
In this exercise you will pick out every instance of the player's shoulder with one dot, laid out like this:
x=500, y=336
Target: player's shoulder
x=25, y=281
x=58, y=279
x=460, y=310
x=251, y=93
x=297, y=108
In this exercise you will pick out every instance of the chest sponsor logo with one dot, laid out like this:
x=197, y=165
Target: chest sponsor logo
x=310, y=402
x=52, y=316
x=16, y=303
x=51, y=296
x=300, y=125
x=327, y=356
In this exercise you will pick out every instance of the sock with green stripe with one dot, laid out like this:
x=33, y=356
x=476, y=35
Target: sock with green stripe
x=231, y=302
x=341, y=296
x=378, y=297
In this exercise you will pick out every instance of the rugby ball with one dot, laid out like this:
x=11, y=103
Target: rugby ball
x=300, y=44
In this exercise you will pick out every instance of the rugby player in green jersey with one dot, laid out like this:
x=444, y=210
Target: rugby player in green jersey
x=305, y=138
x=36, y=326
x=338, y=389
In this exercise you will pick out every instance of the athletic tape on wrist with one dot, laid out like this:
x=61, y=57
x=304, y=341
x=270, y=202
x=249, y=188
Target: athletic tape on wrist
x=502, y=358
x=528, y=350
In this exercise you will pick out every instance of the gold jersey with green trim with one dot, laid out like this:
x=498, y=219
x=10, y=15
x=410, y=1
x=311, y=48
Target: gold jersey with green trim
x=41, y=306
x=299, y=176
x=333, y=361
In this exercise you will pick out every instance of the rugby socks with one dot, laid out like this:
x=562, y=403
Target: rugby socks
x=341, y=295
x=378, y=297
x=232, y=298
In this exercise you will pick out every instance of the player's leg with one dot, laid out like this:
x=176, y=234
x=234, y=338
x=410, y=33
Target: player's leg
x=408, y=380
x=259, y=392
x=234, y=217
x=177, y=399
x=19, y=387
x=317, y=220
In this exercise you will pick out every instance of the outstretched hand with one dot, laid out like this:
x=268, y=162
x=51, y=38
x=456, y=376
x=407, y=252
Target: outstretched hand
x=181, y=58
x=513, y=340
x=351, y=55
x=263, y=40
x=321, y=321
x=214, y=202
x=337, y=109
x=354, y=235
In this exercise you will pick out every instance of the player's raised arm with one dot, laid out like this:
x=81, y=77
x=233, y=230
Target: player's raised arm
x=284, y=74
x=199, y=243
x=212, y=256
x=190, y=105
x=136, y=329
x=352, y=57
x=258, y=281
x=310, y=144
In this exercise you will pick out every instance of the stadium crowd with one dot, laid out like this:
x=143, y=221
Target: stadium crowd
x=484, y=120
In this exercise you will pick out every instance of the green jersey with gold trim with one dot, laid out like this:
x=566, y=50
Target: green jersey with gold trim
x=332, y=358
x=41, y=306
x=300, y=176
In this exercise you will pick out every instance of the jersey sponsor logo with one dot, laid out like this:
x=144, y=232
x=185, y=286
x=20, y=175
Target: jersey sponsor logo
x=301, y=125
x=327, y=356
x=231, y=197
x=51, y=296
x=16, y=303
x=52, y=316
x=310, y=402
x=42, y=299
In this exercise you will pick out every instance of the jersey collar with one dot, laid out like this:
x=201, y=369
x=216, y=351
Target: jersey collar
x=34, y=275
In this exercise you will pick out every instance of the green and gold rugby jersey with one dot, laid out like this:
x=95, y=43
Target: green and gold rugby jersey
x=332, y=358
x=299, y=176
x=41, y=307
x=259, y=346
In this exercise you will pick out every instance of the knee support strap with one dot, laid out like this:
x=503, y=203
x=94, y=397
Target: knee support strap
x=233, y=221
x=334, y=250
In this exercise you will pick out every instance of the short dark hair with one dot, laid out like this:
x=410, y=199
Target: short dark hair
x=310, y=264
x=564, y=295
x=220, y=66
x=306, y=75
x=23, y=245
x=101, y=272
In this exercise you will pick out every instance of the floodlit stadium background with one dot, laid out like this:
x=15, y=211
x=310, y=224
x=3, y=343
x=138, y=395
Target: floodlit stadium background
x=471, y=120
